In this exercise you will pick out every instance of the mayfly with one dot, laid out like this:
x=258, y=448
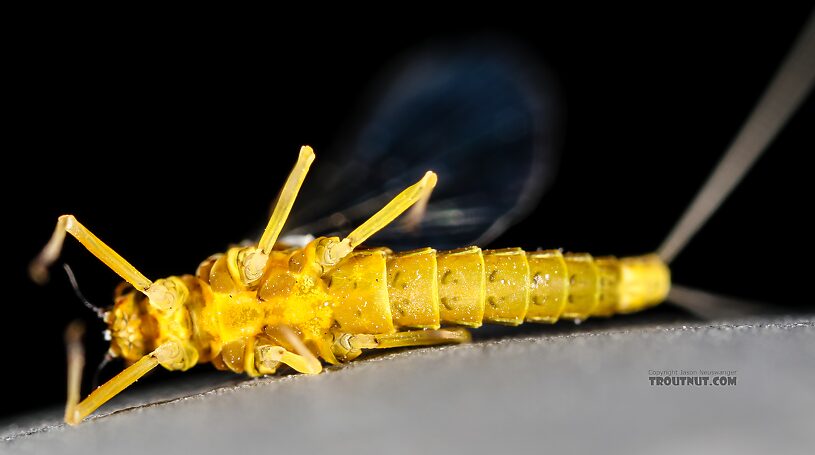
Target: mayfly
x=258, y=307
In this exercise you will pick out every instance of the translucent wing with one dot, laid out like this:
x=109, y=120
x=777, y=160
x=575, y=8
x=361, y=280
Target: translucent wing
x=482, y=116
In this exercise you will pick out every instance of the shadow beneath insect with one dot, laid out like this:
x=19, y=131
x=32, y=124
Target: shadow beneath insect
x=661, y=315
x=163, y=387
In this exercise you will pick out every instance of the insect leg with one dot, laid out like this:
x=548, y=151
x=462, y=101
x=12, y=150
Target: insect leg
x=272, y=355
x=163, y=293
x=392, y=209
x=286, y=200
x=38, y=270
x=75, y=410
x=333, y=251
x=415, y=215
x=302, y=359
x=347, y=346
x=251, y=261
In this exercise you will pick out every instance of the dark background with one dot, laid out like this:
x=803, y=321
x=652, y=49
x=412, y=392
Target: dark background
x=113, y=126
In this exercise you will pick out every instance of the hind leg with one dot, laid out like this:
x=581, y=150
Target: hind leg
x=349, y=346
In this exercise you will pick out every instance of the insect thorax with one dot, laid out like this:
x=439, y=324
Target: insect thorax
x=290, y=293
x=136, y=327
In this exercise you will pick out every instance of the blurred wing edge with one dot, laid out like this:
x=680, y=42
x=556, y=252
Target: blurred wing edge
x=421, y=114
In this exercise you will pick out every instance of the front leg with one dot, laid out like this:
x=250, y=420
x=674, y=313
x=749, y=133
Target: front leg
x=170, y=354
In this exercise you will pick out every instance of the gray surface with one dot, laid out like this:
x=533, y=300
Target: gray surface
x=556, y=390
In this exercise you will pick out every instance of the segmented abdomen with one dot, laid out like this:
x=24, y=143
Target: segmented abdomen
x=376, y=291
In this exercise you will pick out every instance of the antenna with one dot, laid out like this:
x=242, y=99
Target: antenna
x=787, y=90
x=99, y=311
x=102, y=364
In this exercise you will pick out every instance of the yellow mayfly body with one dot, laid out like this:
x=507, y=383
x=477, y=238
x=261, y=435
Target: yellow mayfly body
x=255, y=308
